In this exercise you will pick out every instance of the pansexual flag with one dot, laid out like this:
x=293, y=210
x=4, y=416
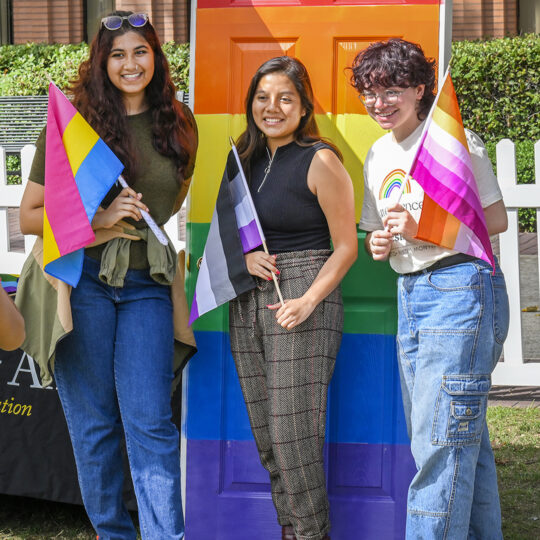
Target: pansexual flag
x=452, y=214
x=79, y=171
x=234, y=230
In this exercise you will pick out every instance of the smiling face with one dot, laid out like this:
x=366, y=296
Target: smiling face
x=277, y=109
x=130, y=67
x=402, y=116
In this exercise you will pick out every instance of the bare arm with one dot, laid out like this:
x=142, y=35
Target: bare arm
x=496, y=217
x=31, y=210
x=330, y=182
x=11, y=324
x=126, y=204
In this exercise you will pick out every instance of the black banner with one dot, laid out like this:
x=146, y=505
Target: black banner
x=36, y=457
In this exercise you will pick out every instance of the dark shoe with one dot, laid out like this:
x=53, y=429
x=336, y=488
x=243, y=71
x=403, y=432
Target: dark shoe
x=287, y=533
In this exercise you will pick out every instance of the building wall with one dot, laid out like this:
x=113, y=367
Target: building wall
x=63, y=21
x=474, y=19
x=52, y=21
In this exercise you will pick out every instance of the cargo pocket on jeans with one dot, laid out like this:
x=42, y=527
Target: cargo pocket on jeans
x=460, y=410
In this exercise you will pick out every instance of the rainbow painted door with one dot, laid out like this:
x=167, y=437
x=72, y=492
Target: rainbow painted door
x=367, y=453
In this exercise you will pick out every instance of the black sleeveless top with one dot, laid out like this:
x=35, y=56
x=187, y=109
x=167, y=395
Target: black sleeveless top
x=290, y=215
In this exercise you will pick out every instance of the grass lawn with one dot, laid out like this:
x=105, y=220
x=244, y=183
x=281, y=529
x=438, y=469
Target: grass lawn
x=515, y=434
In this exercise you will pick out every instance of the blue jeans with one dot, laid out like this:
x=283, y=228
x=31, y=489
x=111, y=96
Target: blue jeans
x=114, y=375
x=452, y=324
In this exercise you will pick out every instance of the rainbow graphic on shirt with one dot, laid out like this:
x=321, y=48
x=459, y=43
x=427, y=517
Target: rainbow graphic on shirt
x=393, y=182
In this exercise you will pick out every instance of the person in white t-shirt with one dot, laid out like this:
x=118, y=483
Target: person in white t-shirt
x=452, y=307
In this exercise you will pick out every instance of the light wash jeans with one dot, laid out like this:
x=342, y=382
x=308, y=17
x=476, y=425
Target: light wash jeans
x=114, y=375
x=452, y=324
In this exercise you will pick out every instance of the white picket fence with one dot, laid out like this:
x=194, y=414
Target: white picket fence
x=512, y=371
x=10, y=197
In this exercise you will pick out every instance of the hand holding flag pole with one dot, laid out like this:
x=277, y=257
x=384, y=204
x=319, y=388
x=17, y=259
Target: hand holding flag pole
x=250, y=200
x=234, y=231
x=148, y=218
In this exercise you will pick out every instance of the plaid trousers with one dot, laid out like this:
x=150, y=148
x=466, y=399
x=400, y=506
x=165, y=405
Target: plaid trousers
x=284, y=376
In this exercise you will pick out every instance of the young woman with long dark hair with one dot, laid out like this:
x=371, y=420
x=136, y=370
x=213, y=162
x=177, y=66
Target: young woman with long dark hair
x=285, y=355
x=114, y=370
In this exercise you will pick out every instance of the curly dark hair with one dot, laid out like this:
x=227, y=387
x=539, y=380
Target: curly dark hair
x=395, y=62
x=101, y=104
x=250, y=143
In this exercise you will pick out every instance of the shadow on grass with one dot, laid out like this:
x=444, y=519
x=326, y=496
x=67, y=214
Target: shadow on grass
x=23, y=518
x=515, y=436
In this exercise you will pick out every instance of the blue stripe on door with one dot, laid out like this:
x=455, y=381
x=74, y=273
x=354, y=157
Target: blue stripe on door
x=366, y=375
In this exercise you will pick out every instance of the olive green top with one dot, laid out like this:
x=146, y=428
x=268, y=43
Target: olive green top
x=156, y=180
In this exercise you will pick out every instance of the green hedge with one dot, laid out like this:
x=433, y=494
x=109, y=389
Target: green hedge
x=25, y=68
x=498, y=87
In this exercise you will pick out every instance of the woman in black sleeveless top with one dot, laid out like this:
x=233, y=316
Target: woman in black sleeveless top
x=285, y=355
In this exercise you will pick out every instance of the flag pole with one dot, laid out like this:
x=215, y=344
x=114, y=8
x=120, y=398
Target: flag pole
x=239, y=163
x=422, y=136
x=152, y=225
x=274, y=277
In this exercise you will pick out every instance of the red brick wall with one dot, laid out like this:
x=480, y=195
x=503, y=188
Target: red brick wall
x=484, y=18
x=62, y=21
x=52, y=21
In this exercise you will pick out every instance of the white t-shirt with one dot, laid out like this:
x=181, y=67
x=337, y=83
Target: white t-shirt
x=385, y=168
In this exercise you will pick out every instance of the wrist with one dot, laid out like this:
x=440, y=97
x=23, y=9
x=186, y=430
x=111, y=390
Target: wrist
x=309, y=301
x=97, y=222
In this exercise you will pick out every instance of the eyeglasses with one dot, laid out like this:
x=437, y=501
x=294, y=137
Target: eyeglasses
x=114, y=22
x=388, y=96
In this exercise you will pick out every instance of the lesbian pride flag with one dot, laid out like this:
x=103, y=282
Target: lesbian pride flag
x=79, y=171
x=452, y=214
x=234, y=230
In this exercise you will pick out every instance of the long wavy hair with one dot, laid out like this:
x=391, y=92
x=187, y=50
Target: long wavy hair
x=252, y=142
x=395, y=62
x=101, y=104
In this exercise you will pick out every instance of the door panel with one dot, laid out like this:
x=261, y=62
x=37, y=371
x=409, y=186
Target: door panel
x=367, y=453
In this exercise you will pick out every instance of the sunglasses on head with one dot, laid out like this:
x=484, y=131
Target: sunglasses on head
x=114, y=22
